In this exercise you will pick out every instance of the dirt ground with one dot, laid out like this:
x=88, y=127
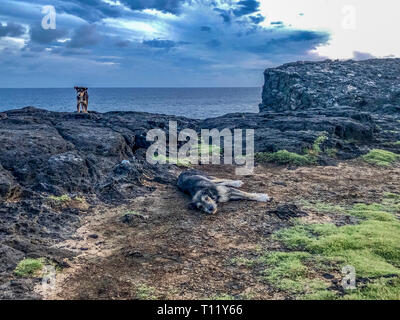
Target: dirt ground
x=162, y=250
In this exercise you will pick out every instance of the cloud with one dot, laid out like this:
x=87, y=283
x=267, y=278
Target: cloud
x=246, y=7
x=214, y=43
x=362, y=55
x=90, y=10
x=205, y=28
x=290, y=41
x=123, y=43
x=171, y=6
x=155, y=43
x=257, y=19
x=225, y=14
x=161, y=43
x=85, y=36
x=42, y=36
x=11, y=30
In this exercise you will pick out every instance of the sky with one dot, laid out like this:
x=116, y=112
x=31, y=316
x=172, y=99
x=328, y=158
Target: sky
x=183, y=43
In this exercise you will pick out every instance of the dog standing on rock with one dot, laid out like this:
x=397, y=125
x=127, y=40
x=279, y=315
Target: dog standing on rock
x=207, y=192
x=82, y=99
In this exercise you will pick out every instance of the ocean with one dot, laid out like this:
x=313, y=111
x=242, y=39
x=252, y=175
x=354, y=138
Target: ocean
x=197, y=103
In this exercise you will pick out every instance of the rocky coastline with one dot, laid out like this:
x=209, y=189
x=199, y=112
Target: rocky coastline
x=102, y=156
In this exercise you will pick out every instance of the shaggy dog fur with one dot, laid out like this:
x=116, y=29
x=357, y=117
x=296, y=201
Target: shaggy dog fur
x=82, y=99
x=207, y=192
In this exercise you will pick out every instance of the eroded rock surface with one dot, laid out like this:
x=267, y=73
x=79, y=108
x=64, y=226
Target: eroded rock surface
x=102, y=156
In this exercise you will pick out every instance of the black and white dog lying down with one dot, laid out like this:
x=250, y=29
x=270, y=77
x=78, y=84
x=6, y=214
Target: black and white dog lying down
x=207, y=191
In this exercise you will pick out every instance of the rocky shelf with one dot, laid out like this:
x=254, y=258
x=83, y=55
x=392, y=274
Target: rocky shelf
x=43, y=154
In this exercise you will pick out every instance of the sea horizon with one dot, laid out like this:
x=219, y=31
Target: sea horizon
x=190, y=102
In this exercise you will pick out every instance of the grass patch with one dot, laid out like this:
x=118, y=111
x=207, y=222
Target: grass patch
x=131, y=213
x=322, y=207
x=144, y=292
x=223, y=296
x=316, y=147
x=331, y=152
x=372, y=247
x=62, y=199
x=241, y=261
x=395, y=143
x=179, y=162
x=80, y=199
x=203, y=149
x=29, y=267
x=208, y=149
x=285, y=157
x=380, y=289
x=382, y=158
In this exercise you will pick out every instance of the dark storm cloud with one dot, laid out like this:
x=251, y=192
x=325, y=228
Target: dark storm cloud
x=163, y=44
x=246, y=7
x=42, y=36
x=155, y=43
x=171, y=6
x=294, y=41
x=206, y=42
x=85, y=36
x=90, y=10
x=205, y=29
x=123, y=43
x=224, y=14
x=257, y=19
x=11, y=30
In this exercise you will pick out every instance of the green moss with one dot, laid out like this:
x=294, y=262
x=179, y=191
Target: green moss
x=209, y=149
x=144, y=292
x=372, y=247
x=316, y=147
x=203, y=149
x=180, y=162
x=29, y=267
x=382, y=158
x=285, y=157
x=80, y=199
x=134, y=213
x=395, y=143
x=322, y=207
x=380, y=289
x=392, y=196
x=331, y=152
x=242, y=261
x=285, y=270
x=223, y=296
x=62, y=199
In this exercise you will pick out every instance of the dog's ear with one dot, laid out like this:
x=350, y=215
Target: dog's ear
x=211, y=193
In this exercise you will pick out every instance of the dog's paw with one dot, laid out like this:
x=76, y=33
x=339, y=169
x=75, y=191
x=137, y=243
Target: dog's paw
x=237, y=184
x=262, y=197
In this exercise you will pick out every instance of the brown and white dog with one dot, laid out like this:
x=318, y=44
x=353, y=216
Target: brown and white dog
x=82, y=99
x=207, y=191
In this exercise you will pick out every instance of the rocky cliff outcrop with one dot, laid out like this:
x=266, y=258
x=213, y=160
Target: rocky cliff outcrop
x=353, y=101
x=370, y=85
